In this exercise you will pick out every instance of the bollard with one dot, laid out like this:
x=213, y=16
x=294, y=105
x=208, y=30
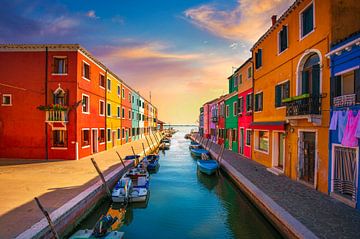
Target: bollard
x=135, y=160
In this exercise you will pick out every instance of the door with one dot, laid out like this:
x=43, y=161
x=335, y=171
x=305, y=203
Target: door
x=127, y=135
x=94, y=141
x=307, y=153
x=281, y=152
x=230, y=138
x=113, y=138
x=241, y=141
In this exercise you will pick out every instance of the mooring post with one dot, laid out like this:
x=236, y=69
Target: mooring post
x=144, y=149
x=152, y=141
x=157, y=140
x=101, y=177
x=210, y=144
x=46, y=214
x=121, y=160
x=135, y=158
x=148, y=143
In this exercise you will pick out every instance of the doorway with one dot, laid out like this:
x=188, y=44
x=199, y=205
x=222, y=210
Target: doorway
x=113, y=135
x=241, y=141
x=94, y=140
x=307, y=153
x=127, y=135
x=279, y=151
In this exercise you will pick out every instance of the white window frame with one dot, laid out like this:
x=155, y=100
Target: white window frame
x=107, y=84
x=241, y=98
x=83, y=71
x=118, y=134
x=88, y=107
x=66, y=69
x=123, y=134
x=247, y=133
x=122, y=92
x=252, y=103
x=118, y=91
x=287, y=38
x=256, y=146
x=104, y=82
x=107, y=113
x=301, y=22
x=103, y=114
x=280, y=83
x=108, y=140
x=123, y=110
x=87, y=146
x=101, y=143
x=118, y=112
x=2, y=99
x=255, y=111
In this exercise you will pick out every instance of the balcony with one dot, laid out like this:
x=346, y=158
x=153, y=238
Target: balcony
x=303, y=107
x=214, y=119
x=56, y=116
x=344, y=100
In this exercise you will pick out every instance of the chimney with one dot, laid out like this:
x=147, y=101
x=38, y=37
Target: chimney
x=273, y=19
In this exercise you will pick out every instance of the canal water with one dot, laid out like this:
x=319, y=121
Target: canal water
x=185, y=203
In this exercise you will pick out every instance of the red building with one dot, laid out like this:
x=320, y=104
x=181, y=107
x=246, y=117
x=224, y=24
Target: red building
x=127, y=118
x=221, y=131
x=55, y=110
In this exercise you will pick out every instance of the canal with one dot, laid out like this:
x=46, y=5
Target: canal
x=185, y=203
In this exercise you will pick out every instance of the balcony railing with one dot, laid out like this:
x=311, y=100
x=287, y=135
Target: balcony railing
x=56, y=116
x=214, y=119
x=344, y=100
x=303, y=105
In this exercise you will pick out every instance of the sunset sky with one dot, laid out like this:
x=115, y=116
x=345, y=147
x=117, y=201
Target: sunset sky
x=181, y=50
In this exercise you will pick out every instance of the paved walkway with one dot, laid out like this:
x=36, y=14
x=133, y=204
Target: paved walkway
x=54, y=183
x=320, y=213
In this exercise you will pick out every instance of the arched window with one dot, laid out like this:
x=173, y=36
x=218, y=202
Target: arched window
x=310, y=75
x=60, y=96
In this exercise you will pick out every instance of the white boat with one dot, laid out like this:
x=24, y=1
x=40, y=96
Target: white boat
x=125, y=192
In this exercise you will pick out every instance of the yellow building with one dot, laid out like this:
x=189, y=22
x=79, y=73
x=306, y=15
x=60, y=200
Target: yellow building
x=292, y=92
x=113, y=110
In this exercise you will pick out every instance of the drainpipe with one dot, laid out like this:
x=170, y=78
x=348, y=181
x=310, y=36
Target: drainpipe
x=46, y=102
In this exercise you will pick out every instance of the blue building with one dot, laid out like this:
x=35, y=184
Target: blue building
x=345, y=99
x=135, y=105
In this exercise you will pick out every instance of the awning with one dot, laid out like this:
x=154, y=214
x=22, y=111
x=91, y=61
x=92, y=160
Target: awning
x=271, y=125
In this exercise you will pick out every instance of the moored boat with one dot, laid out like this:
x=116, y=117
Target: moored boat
x=88, y=234
x=198, y=151
x=208, y=166
x=153, y=161
x=132, y=157
x=125, y=192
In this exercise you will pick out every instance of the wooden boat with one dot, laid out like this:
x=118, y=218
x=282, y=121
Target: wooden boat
x=165, y=143
x=153, y=162
x=208, y=166
x=125, y=192
x=198, y=151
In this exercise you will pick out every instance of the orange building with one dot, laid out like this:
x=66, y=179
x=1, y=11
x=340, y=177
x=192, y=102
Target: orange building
x=292, y=91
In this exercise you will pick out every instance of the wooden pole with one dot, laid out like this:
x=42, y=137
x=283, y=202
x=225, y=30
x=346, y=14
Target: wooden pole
x=221, y=153
x=101, y=177
x=210, y=144
x=46, y=214
x=155, y=139
x=148, y=143
x=135, y=158
x=144, y=149
x=122, y=161
x=132, y=148
x=152, y=141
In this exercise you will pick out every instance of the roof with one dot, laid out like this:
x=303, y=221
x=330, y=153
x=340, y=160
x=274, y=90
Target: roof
x=63, y=47
x=242, y=65
x=277, y=23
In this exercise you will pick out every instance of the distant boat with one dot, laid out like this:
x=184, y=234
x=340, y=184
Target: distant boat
x=208, y=166
x=198, y=151
x=153, y=162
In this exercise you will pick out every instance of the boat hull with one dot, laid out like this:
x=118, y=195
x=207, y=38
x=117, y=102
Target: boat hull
x=207, y=166
x=198, y=152
x=85, y=234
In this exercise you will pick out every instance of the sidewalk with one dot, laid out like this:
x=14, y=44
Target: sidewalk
x=54, y=183
x=321, y=214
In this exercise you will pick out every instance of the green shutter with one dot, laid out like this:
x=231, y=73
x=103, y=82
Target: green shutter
x=277, y=95
x=305, y=82
x=315, y=80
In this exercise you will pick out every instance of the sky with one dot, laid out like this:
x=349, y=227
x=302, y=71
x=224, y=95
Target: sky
x=180, y=50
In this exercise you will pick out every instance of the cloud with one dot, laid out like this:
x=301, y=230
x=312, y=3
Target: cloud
x=246, y=22
x=91, y=14
x=233, y=45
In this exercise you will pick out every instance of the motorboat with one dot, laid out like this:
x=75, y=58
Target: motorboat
x=207, y=166
x=125, y=192
x=153, y=162
x=198, y=151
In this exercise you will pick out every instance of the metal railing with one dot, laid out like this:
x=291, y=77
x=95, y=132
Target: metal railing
x=344, y=100
x=56, y=116
x=310, y=105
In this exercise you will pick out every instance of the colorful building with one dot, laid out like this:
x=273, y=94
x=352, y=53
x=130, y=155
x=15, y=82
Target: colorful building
x=207, y=115
x=214, y=120
x=135, y=115
x=221, y=131
x=113, y=110
x=201, y=121
x=231, y=121
x=63, y=92
x=245, y=107
x=126, y=113
x=345, y=103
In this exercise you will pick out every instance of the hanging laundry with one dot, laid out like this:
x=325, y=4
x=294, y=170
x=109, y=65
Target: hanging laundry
x=338, y=121
x=358, y=129
x=349, y=138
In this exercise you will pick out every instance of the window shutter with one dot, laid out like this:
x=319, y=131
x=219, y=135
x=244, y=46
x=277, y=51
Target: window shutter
x=256, y=102
x=357, y=84
x=277, y=95
x=315, y=80
x=256, y=60
x=260, y=57
x=305, y=82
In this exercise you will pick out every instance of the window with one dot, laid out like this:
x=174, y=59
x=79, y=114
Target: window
x=249, y=73
x=109, y=84
x=85, y=104
x=258, y=59
x=86, y=71
x=132, y=115
x=118, y=133
x=259, y=102
x=118, y=90
x=6, y=100
x=235, y=79
x=60, y=65
x=60, y=97
x=101, y=108
x=123, y=133
x=262, y=140
x=102, y=81
x=143, y=118
x=249, y=106
x=129, y=97
x=85, y=138
x=307, y=20
x=123, y=112
x=248, y=137
x=241, y=105
x=132, y=99
x=59, y=138
x=129, y=114
x=310, y=75
x=283, y=39
x=108, y=109
x=234, y=135
x=123, y=93
x=282, y=91
x=240, y=79
x=118, y=111
x=227, y=111
x=108, y=136
x=102, y=136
